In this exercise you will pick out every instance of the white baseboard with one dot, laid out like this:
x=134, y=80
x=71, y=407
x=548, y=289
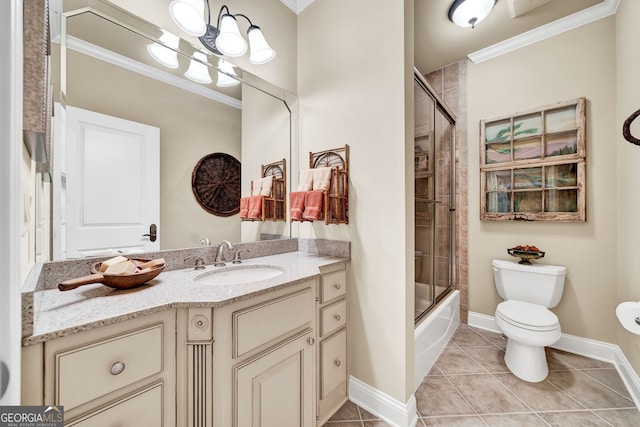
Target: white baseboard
x=584, y=347
x=388, y=409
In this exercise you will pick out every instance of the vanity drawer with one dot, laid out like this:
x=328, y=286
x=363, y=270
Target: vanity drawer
x=333, y=363
x=144, y=408
x=334, y=285
x=262, y=323
x=333, y=317
x=90, y=371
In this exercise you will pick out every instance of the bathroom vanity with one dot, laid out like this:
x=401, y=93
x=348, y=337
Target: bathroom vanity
x=187, y=352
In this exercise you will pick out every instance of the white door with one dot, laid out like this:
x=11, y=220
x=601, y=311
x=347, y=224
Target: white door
x=112, y=184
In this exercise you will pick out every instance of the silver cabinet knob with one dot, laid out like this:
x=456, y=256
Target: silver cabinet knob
x=336, y=285
x=337, y=317
x=337, y=362
x=117, y=368
x=311, y=341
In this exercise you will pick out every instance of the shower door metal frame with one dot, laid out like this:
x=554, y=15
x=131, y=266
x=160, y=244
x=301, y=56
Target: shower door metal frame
x=451, y=117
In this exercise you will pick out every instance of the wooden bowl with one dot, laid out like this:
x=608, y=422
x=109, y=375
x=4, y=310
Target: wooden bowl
x=116, y=281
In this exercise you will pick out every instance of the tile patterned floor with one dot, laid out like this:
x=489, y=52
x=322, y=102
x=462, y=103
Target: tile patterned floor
x=471, y=386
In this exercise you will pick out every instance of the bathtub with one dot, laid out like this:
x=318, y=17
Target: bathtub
x=432, y=334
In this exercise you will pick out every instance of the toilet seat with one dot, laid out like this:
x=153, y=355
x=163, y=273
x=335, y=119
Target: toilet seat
x=532, y=317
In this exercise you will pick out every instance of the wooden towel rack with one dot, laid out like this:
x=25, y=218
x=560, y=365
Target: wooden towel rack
x=336, y=198
x=274, y=205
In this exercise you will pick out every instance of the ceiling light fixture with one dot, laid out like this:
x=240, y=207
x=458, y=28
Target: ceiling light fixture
x=224, y=38
x=468, y=13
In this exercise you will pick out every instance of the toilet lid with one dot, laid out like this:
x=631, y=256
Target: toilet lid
x=528, y=316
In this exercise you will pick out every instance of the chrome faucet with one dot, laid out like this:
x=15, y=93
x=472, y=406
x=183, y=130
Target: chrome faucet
x=219, y=261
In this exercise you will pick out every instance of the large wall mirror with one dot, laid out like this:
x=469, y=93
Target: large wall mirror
x=108, y=80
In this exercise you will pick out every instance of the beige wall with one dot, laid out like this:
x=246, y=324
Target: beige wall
x=573, y=64
x=353, y=90
x=191, y=126
x=628, y=170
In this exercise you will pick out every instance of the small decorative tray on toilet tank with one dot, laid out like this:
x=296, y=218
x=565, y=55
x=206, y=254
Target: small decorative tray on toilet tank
x=525, y=253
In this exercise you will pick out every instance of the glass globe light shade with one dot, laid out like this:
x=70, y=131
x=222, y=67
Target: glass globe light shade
x=229, y=42
x=468, y=13
x=189, y=16
x=198, y=72
x=261, y=52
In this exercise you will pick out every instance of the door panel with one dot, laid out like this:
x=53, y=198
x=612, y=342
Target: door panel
x=276, y=389
x=113, y=184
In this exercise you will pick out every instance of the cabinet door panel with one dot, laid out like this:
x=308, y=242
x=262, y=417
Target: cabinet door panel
x=259, y=324
x=276, y=388
x=143, y=409
x=99, y=368
x=334, y=285
x=333, y=317
x=333, y=363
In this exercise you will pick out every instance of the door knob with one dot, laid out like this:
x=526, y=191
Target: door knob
x=153, y=233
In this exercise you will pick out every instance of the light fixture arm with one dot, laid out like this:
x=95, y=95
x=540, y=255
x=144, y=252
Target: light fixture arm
x=261, y=53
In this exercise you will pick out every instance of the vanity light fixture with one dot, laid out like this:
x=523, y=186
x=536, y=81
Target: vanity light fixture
x=189, y=16
x=225, y=37
x=198, y=71
x=165, y=53
x=468, y=13
x=226, y=74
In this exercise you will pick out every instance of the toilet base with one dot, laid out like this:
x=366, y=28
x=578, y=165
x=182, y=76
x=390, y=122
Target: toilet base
x=528, y=363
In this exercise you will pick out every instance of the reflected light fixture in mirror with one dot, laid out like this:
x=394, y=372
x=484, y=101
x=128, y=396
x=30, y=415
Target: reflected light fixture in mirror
x=189, y=16
x=468, y=13
x=226, y=74
x=166, y=55
x=198, y=71
x=225, y=37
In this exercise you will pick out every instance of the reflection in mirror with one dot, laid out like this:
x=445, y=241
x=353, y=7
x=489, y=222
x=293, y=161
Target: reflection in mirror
x=110, y=73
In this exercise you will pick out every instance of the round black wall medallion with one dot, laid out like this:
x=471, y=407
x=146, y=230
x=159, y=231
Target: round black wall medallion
x=215, y=182
x=626, y=131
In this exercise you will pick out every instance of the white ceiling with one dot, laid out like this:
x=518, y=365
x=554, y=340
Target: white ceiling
x=439, y=42
x=511, y=24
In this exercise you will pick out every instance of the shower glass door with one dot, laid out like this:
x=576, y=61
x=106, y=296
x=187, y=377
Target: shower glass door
x=434, y=153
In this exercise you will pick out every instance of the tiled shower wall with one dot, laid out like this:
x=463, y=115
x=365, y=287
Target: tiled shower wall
x=450, y=83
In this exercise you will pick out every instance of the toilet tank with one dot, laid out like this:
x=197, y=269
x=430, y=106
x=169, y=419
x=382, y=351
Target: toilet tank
x=538, y=283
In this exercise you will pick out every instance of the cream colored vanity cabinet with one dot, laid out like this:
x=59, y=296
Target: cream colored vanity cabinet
x=263, y=358
x=117, y=375
x=332, y=363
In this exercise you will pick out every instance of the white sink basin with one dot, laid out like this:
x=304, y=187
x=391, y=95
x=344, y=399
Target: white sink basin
x=239, y=274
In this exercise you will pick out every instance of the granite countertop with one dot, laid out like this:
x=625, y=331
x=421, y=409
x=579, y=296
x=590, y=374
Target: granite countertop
x=57, y=314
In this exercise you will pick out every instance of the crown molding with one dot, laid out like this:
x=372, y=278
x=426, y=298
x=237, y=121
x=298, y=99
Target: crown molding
x=146, y=70
x=575, y=20
x=297, y=5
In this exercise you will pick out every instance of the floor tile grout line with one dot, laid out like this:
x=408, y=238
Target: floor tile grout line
x=461, y=395
x=603, y=384
x=564, y=392
x=513, y=394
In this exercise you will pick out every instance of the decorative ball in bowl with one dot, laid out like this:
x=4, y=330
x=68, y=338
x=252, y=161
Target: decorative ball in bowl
x=525, y=253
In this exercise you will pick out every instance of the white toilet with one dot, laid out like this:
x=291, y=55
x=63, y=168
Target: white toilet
x=524, y=318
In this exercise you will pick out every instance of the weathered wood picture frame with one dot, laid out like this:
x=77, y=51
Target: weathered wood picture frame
x=532, y=164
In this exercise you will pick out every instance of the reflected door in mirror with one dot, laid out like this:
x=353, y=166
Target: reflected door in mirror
x=113, y=184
